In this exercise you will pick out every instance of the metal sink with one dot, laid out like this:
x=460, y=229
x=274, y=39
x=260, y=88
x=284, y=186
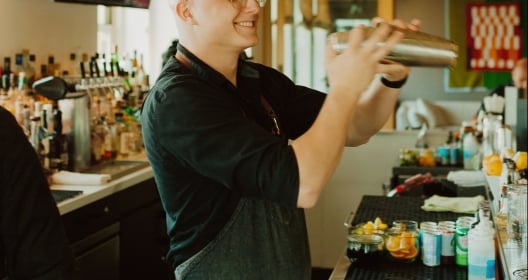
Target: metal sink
x=116, y=168
x=61, y=195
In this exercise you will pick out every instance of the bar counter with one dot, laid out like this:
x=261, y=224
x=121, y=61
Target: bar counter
x=511, y=257
x=390, y=209
x=91, y=194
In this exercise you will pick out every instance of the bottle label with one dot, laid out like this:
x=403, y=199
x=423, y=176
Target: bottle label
x=461, y=246
x=490, y=269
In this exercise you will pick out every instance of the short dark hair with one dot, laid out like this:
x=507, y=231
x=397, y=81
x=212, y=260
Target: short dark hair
x=169, y=52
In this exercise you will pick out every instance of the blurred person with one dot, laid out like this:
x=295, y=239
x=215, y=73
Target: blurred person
x=518, y=80
x=33, y=243
x=519, y=74
x=238, y=150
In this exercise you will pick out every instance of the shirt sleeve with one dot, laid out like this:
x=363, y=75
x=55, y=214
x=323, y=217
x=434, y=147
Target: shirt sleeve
x=298, y=106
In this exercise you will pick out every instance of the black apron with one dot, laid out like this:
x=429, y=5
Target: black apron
x=262, y=240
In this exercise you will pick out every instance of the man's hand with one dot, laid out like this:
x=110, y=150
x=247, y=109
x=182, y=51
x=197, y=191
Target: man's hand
x=353, y=70
x=394, y=71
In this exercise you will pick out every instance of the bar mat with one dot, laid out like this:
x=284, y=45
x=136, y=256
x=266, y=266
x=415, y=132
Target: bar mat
x=397, y=208
x=61, y=195
x=390, y=209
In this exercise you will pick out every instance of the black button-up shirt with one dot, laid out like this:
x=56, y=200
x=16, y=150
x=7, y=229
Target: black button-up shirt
x=210, y=143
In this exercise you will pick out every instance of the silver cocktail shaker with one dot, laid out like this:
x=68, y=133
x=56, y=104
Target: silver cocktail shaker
x=414, y=49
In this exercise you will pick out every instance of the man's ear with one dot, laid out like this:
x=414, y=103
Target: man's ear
x=183, y=11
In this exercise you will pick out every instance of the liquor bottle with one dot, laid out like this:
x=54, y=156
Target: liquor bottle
x=25, y=59
x=30, y=69
x=93, y=67
x=38, y=140
x=97, y=141
x=9, y=93
x=123, y=134
x=44, y=71
x=104, y=65
x=72, y=65
x=12, y=92
x=45, y=139
x=116, y=70
x=84, y=65
x=50, y=67
x=19, y=63
x=24, y=95
x=6, y=72
x=110, y=143
x=62, y=144
x=34, y=133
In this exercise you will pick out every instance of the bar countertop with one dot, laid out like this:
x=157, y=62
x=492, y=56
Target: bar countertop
x=513, y=257
x=390, y=209
x=92, y=194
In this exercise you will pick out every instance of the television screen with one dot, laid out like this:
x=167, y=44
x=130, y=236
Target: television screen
x=144, y=4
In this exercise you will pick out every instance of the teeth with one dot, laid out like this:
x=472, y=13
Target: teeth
x=246, y=23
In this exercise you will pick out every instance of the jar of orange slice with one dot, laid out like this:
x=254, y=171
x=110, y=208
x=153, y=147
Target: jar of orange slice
x=520, y=159
x=401, y=241
x=492, y=164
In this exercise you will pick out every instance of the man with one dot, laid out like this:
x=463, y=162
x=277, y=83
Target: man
x=519, y=74
x=519, y=80
x=238, y=150
x=33, y=244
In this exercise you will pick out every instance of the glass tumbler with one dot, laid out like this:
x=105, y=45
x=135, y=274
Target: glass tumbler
x=402, y=241
x=517, y=212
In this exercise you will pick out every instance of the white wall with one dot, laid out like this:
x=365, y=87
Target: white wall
x=45, y=27
x=162, y=33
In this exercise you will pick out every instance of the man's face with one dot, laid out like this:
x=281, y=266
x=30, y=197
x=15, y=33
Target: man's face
x=519, y=76
x=226, y=23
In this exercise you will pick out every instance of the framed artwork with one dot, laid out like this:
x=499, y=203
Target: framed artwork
x=490, y=33
x=493, y=36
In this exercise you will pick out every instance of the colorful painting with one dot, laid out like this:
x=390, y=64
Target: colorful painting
x=493, y=36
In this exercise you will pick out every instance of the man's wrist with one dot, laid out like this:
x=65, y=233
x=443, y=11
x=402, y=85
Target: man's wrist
x=393, y=84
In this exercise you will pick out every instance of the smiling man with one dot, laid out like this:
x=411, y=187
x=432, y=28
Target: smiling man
x=238, y=150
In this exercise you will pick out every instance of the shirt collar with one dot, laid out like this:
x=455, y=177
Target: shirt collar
x=200, y=68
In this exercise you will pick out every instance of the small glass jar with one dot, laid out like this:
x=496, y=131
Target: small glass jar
x=402, y=241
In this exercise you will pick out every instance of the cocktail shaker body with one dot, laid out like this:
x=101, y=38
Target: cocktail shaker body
x=414, y=49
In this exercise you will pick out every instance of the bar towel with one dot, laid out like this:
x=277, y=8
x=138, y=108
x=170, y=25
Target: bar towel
x=73, y=178
x=438, y=203
x=467, y=178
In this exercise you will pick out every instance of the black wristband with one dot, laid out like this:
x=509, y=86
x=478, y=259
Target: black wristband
x=391, y=84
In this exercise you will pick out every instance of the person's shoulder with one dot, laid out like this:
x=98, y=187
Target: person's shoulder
x=6, y=118
x=499, y=90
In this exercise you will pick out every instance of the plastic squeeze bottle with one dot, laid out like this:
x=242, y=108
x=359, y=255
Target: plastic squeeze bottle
x=481, y=251
x=471, y=152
